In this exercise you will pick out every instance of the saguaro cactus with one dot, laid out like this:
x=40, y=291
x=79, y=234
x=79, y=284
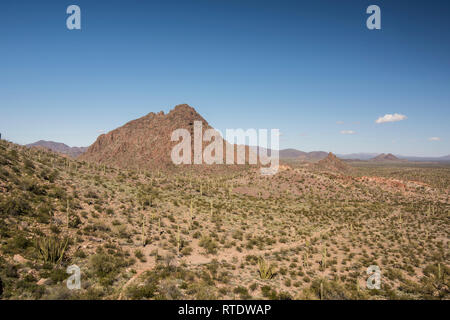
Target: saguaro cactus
x=191, y=213
x=144, y=240
x=67, y=214
x=178, y=239
x=324, y=258
x=321, y=290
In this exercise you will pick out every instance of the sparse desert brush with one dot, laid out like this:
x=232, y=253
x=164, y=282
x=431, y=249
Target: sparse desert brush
x=15, y=206
x=208, y=244
x=327, y=290
x=138, y=254
x=289, y=219
x=106, y=266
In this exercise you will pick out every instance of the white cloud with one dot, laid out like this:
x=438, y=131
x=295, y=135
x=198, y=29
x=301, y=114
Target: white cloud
x=434, y=139
x=348, y=132
x=391, y=118
x=100, y=131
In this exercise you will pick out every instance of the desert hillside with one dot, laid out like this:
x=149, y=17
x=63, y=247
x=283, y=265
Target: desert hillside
x=149, y=234
x=58, y=147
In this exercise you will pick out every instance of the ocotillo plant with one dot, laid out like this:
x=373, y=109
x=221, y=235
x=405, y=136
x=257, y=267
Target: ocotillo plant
x=51, y=249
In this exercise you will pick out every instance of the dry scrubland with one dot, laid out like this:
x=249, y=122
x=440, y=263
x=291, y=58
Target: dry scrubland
x=301, y=234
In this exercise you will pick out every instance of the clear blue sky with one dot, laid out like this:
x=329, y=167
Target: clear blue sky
x=300, y=66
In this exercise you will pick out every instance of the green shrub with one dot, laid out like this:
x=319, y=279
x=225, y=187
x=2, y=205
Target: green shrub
x=269, y=293
x=74, y=220
x=139, y=292
x=17, y=244
x=15, y=206
x=209, y=244
x=242, y=292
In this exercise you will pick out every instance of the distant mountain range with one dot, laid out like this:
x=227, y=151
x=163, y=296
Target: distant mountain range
x=314, y=156
x=138, y=138
x=59, y=147
x=385, y=158
x=444, y=158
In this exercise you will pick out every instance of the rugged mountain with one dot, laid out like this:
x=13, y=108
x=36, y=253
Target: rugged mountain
x=331, y=163
x=283, y=154
x=385, y=157
x=295, y=154
x=291, y=153
x=145, y=143
x=59, y=147
x=313, y=156
x=357, y=156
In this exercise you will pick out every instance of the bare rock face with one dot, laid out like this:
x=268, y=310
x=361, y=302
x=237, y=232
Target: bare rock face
x=19, y=259
x=332, y=163
x=145, y=143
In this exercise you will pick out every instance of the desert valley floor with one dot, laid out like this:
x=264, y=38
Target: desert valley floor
x=305, y=233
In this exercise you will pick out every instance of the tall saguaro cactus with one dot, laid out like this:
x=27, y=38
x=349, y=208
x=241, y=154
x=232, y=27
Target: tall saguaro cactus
x=324, y=258
x=191, y=213
x=178, y=239
x=67, y=214
x=144, y=240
